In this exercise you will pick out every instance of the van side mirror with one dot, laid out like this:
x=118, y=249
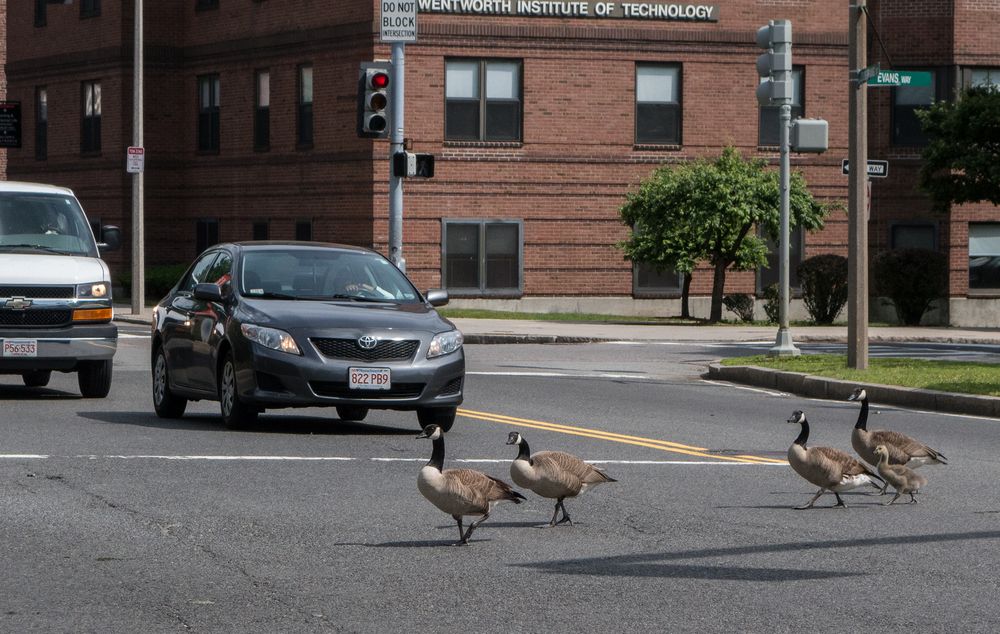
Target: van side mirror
x=208, y=292
x=111, y=238
x=437, y=296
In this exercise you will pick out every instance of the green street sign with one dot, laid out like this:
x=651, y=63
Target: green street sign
x=900, y=78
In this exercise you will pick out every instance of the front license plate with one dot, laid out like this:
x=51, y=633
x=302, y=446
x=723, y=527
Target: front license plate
x=20, y=348
x=369, y=378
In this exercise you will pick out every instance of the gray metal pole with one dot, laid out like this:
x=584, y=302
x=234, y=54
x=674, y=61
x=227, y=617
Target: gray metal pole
x=857, y=194
x=396, y=145
x=138, y=253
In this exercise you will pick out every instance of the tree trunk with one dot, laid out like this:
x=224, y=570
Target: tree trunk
x=718, y=289
x=685, y=294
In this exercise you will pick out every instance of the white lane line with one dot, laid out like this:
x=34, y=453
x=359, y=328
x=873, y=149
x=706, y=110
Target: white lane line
x=700, y=344
x=350, y=459
x=127, y=335
x=590, y=375
x=759, y=390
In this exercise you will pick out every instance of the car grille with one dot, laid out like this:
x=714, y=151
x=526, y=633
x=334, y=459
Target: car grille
x=349, y=350
x=35, y=318
x=335, y=389
x=38, y=292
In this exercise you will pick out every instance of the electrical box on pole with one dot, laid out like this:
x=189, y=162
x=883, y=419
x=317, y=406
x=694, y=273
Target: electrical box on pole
x=374, y=85
x=410, y=165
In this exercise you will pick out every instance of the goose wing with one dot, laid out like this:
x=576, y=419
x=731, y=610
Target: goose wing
x=847, y=465
x=567, y=469
x=901, y=447
x=479, y=489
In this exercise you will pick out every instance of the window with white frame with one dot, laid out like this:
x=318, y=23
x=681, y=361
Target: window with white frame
x=483, y=100
x=304, y=116
x=985, y=78
x=906, y=101
x=984, y=255
x=208, y=113
x=90, y=133
x=647, y=280
x=658, y=104
x=482, y=257
x=262, y=111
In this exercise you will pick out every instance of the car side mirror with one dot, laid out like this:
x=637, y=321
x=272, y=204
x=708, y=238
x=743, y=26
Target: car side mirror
x=208, y=292
x=436, y=296
x=111, y=238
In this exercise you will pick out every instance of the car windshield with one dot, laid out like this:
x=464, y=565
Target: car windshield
x=53, y=223
x=321, y=274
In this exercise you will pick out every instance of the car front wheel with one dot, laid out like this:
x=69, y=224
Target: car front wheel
x=443, y=417
x=165, y=402
x=236, y=414
x=351, y=412
x=94, y=378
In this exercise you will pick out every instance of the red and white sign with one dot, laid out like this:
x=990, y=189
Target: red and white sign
x=135, y=160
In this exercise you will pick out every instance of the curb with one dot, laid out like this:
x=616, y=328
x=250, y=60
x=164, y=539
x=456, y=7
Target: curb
x=488, y=338
x=835, y=389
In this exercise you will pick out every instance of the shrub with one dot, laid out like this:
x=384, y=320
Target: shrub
x=742, y=305
x=159, y=279
x=912, y=279
x=823, y=279
x=772, y=303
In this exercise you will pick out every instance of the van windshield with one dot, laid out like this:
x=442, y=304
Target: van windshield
x=51, y=223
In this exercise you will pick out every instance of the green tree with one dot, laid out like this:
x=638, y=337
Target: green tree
x=706, y=210
x=962, y=158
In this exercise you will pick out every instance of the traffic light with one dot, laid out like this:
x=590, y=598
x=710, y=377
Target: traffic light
x=374, y=82
x=776, y=64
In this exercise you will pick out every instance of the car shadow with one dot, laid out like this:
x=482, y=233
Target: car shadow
x=289, y=425
x=24, y=393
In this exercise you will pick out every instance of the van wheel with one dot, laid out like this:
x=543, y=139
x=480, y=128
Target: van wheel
x=165, y=402
x=37, y=378
x=235, y=413
x=351, y=412
x=443, y=417
x=94, y=378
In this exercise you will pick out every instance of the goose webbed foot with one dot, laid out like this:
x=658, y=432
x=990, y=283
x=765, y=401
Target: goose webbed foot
x=565, y=518
x=810, y=503
x=840, y=502
x=913, y=499
x=472, y=526
x=895, y=497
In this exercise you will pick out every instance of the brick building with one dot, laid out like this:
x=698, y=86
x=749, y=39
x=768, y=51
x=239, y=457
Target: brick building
x=541, y=115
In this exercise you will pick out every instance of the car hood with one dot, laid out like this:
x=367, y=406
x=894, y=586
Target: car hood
x=320, y=315
x=39, y=268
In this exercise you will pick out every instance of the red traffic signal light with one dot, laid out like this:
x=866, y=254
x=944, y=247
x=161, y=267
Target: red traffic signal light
x=379, y=80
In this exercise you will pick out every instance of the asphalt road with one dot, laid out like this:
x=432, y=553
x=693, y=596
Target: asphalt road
x=116, y=521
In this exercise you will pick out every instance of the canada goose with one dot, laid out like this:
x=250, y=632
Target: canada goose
x=903, y=479
x=553, y=474
x=460, y=492
x=826, y=467
x=902, y=449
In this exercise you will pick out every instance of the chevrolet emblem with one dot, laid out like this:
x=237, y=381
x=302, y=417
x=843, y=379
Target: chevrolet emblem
x=17, y=303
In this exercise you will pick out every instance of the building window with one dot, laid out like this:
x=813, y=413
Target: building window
x=770, y=272
x=769, y=125
x=261, y=230
x=482, y=257
x=913, y=236
x=206, y=234
x=201, y=5
x=646, y=280
x=906, y=100
x=90, y=8
x=90, y=137
x=305, y=106
x=262, y=112
x=208, y=113
x=657, y=104
x=41, y=123
x=483, y=100
x=304, y=230
x=984, y=255
x=985, y=78
x=41, y=12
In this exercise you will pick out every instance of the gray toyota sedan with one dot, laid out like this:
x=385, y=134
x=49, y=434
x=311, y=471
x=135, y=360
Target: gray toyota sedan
x=266, y=325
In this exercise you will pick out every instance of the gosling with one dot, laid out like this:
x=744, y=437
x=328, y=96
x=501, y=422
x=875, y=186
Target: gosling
x=903, y=479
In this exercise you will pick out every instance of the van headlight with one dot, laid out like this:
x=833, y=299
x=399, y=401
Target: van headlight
x=270, y=338
x=93, y=290
x=444, y=343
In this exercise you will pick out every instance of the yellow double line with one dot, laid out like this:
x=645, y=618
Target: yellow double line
x=652, y=443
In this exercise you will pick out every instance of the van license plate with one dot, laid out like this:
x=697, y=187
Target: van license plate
x=369, y=378
x=20, y=348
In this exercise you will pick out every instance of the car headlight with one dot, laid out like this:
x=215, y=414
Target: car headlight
x=93, y=290
x=444, y=343
x=270, y=338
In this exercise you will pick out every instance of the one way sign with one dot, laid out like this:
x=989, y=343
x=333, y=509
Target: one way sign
x=876, y=169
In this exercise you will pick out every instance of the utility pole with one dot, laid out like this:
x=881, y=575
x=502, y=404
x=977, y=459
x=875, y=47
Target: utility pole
x=396, y=145
x=857, y=191
x=138, y=252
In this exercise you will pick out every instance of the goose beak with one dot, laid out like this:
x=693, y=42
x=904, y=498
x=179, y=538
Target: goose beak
x=852, y=397
x=792, y=419
x=423, y=434
x=511, y=441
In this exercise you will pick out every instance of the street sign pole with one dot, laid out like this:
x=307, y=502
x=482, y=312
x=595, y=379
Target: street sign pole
x=138, y=229
x=396, y=145
x=857, y=225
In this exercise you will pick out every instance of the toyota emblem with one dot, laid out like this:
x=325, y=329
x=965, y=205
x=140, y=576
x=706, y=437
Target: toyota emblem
x=367, y=342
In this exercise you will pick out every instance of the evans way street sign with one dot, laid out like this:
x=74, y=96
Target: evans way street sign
x=900, y=78
x=876, y=169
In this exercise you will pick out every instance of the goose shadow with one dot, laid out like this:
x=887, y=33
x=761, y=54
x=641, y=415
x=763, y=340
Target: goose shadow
x=277, y=424
x=659, y=564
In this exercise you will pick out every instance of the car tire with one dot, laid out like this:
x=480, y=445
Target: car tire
x=94, y=378
x=443, y=417
x=351, y=412
x=166, y=403
x=236, y=414
x=37, y=378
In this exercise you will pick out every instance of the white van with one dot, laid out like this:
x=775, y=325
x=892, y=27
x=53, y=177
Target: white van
x=55, y=291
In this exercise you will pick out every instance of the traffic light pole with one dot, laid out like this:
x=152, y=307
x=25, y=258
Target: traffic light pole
x=783, y=346
x=396, y=145
x=857, y=193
